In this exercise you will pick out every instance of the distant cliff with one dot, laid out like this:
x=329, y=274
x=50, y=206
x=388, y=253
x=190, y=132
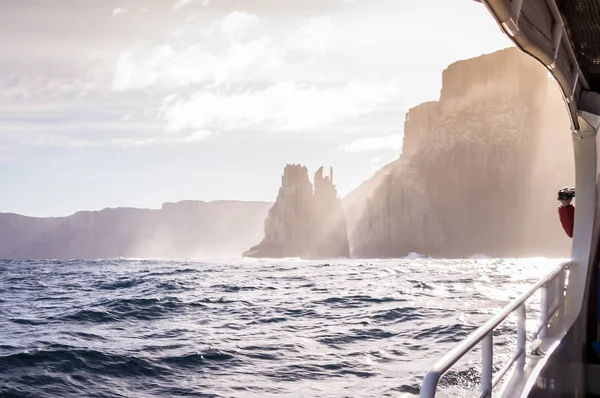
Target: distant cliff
x=479, y=169
x=190, y=229
x=303, y=223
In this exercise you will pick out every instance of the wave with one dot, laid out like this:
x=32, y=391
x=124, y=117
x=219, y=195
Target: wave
x=117, y=328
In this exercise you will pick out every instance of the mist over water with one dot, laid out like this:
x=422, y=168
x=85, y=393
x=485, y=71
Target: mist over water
x=248, y=328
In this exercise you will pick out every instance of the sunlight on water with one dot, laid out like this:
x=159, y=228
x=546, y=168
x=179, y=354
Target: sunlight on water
x=249, y=328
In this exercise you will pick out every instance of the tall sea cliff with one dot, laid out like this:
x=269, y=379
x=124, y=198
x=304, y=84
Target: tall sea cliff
x=479, y=169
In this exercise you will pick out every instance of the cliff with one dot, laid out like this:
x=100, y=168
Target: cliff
x=190, y=229
x=354, y=202
x=303, y=223
x=331, y=232
x=479, y=170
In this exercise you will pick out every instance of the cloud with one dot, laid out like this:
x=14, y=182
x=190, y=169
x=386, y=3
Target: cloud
x=316, y=35
x=46, y=140
x=96, y=132
x=232, y=49
x=121, y=139
x=110, y=176
x=181, y=61
x=182, y=3
x=71, y=125
x=169, y=68
x=66, y=114
x=232, y=70
x=389, y=142
x=119, y=11
x=237, y=22
x=288, y=106
x=197, y=136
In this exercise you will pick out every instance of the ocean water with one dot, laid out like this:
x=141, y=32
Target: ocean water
x=248, y=328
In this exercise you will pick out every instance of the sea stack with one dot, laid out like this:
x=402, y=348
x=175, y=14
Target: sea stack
x=302, y=222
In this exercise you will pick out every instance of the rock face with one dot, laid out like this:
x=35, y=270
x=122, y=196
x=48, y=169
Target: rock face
x=189, y=229
x=354, y=203
x=303, y=223
x=331, y=232
x=479, y=169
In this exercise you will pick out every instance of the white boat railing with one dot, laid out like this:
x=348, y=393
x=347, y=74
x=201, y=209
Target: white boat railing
x=552, y=298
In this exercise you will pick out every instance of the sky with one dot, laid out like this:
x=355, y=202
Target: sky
x=113, y=103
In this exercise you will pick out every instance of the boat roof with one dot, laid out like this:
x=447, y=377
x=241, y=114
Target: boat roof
x=564, y=35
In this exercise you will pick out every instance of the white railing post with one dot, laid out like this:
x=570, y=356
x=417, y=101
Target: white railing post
x=561, y=291
x=553, y=295
x=557, y=291
x=487, y=364
x=521, y=336
x=544, y=307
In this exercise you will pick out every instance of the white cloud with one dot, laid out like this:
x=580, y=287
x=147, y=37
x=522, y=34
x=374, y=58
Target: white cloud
x=181, y=61
x=110, y=176
x=95, y=126
x=166, y=67
x=183, y=3
x=122, y=138
x=389, y=142
x=197, y=136
x=119, y=11
x=288, y=106
x=230, y=49
x=316, y=35
x=46, y=140
x=237, y=22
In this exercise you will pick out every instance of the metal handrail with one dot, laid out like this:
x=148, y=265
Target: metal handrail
x=484, y=334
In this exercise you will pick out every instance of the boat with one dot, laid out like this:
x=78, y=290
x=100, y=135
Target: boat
x=559, y=357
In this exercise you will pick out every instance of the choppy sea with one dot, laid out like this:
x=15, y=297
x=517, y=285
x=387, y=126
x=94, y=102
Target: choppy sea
x=248, y=328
